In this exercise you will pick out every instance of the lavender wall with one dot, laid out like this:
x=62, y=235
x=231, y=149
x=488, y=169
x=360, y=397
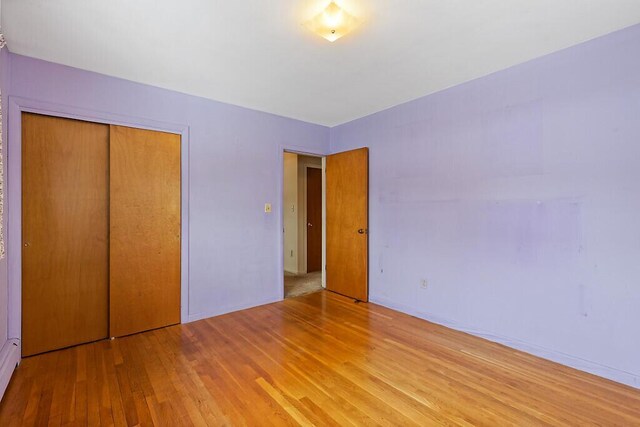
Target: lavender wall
x=516, y=196
x=234, y=166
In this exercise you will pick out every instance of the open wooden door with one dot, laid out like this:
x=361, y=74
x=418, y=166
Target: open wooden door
x=314, y=219
x=348, y=223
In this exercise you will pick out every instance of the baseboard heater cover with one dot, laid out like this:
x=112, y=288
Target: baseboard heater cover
x=9, y=359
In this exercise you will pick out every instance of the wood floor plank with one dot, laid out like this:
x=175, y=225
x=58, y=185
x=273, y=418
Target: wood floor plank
x=319, y=359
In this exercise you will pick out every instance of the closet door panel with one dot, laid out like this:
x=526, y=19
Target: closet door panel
x=64, y=232
x=144, y=230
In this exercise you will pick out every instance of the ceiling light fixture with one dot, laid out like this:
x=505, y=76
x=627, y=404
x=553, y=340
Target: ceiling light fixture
x=332, y=23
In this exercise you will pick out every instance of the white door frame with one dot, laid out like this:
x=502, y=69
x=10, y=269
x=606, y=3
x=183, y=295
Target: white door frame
x=304, y=151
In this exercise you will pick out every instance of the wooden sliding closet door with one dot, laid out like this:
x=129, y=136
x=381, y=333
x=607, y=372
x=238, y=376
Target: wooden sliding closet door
x=65, y=232
x=145, y=230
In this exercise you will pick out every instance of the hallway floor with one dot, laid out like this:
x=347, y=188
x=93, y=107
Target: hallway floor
x=296, y=285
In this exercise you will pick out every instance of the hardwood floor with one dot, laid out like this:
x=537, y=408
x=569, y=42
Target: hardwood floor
x=318, y=359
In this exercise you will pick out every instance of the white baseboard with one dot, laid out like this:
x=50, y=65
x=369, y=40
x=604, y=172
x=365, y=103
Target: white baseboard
x=594, y=368
x=9, y=359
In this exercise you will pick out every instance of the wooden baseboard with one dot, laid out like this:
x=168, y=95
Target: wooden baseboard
x=9, y=359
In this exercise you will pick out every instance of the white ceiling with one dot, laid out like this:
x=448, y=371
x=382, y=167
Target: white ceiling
x=257, y=53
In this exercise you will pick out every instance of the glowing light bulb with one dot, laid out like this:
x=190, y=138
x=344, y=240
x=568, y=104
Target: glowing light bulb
x=332, y=23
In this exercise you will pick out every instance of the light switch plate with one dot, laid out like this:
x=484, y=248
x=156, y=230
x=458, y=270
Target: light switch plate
x=267, y=207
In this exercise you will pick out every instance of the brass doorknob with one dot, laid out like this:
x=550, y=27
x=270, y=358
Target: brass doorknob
x=363, y=231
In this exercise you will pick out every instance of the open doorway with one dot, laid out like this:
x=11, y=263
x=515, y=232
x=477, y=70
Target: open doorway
x=304, y=224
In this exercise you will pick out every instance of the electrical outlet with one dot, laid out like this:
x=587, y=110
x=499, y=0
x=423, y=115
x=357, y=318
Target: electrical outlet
x=423, y=283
